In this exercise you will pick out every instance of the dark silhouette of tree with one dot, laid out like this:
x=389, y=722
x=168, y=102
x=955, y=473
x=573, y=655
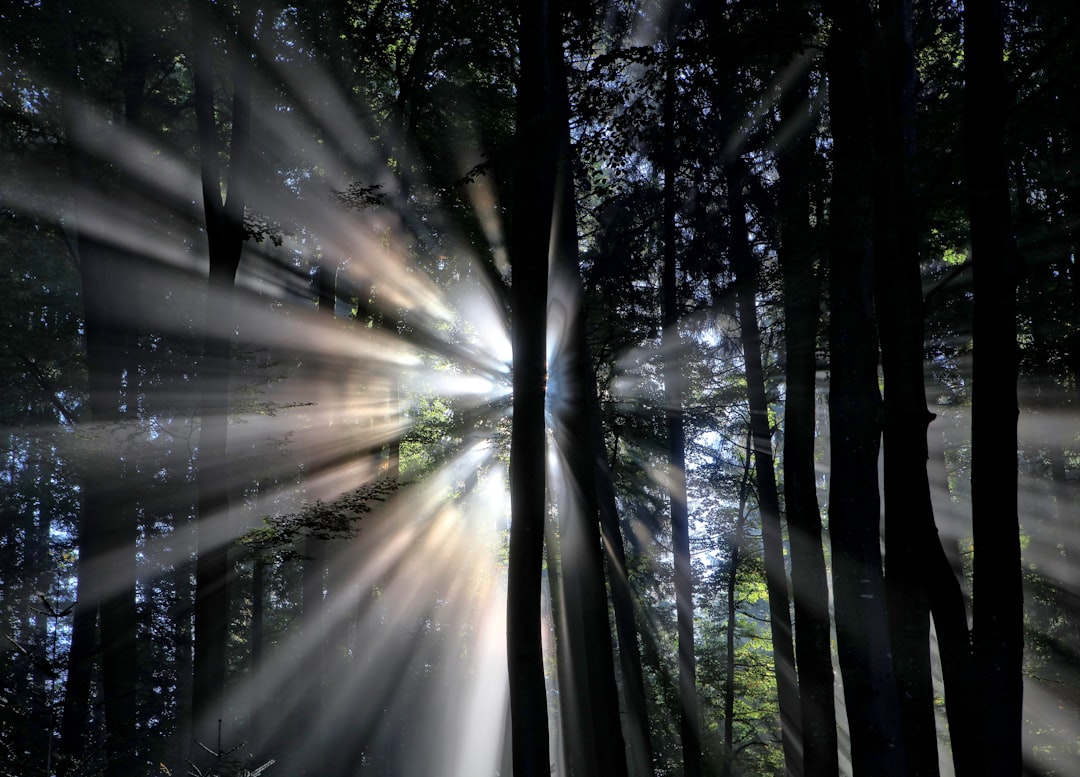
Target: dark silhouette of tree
x=690, y=721
x=768, y=494
x=108, y=527
x=854, y=410
x=809, y=583
x=637, y=733
x=918, y=577
x=572, y=392
x=998, y=632
x=224, y=216
x=532, y=210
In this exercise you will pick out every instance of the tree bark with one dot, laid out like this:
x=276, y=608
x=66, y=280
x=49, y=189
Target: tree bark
x=638, y=734
x=998, y=639
x=531, y=221
x=77, y=688
x=572, y=392
x=909, y=519
x=809, y=581
x=918, y=578
x=108, y=527
x=690, y=724
x=225, y=237
x=735, y=543
x=772, y=538
x=855, y=412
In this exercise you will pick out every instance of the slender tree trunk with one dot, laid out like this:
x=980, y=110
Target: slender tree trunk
x=915, y=573
x=225, y=236
x=108, y=526
x=690, y=724
x=531, y=221
x=595, y=710
x=79, y=669
x=855, y=413
x=258, y=638
x=998, y=639
x=772, y=538
x=918, y=577
x=182, y=647
x=735, y=543
x=638, y=734
x=572, y=401
x=108, y=530
x=316, y=550
x=809, y=582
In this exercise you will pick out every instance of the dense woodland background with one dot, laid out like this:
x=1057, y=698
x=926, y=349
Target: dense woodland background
x=302, y=302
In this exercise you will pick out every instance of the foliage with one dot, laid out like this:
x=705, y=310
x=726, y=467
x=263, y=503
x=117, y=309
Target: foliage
x=333, y=520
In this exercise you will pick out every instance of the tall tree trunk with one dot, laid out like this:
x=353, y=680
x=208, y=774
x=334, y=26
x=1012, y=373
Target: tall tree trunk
x=638, y=734
x=909, y=521
x=809, y=582
x=182, y=645
x=108, y=526
x=595, y=701
x=917, y=572
x=225, y=237
x=79, y=670
x=108, y=529
x=257, y=715
x=690, y=724
x=572, y=398
x=998, y=639
x=307, y=727
x=855, y=413
x=772, y=538
x=531, y=213
x=735, y=543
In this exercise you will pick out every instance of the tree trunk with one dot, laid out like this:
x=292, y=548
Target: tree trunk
x=690, y=725
x=916, y=571
x=909, y=520
x=638, y=734
x=735, y=544
x=772, y=538
x=998, y=639
x=809, y=582
x=225, y=237
x=531, y=233
x=79, y=669
x=257, y=715
x=108, y=527
x=572, y=400
x=855, y=413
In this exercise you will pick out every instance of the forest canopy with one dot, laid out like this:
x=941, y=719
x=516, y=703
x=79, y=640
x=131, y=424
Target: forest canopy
x=612, y=388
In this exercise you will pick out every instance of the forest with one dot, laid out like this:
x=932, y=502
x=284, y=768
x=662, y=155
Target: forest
x=464, y=388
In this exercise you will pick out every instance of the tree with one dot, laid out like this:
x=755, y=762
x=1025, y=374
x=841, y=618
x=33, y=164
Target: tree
x=918, y=577
x=225, y=237
x=690, y=725
x=854, y=407
x=765, y=474
x=572, y=392
x=809, y=582
x=108, y=527
x=533, y=204
x=998, y=638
